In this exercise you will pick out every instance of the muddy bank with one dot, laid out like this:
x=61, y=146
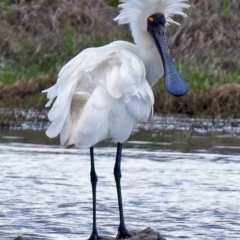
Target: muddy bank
x=215, y=102
x=221, y=101
x=23, y=119
x=31, y=119
x=38, y=38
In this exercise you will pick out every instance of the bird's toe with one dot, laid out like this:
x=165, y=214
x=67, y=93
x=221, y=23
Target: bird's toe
x=94, y=236
x=123, y=233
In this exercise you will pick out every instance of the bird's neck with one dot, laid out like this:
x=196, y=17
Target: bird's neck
x=150, y=57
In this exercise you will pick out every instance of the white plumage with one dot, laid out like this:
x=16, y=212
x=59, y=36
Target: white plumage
x=104, y=92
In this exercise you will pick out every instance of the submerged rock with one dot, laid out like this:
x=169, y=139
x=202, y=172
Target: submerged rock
x=18, y=238
x=146, y=234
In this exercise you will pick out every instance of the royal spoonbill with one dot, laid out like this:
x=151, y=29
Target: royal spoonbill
x=104, y=92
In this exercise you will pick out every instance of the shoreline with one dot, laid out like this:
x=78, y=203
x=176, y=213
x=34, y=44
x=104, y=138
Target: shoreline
x=32, y=119
x=23, y=119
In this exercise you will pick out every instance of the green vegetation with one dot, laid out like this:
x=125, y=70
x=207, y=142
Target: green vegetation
x=226, y=8
x=113, y=3
x=38, y=36
x=203, y=75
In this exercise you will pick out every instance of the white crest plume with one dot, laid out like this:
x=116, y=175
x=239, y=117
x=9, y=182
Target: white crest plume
x=137, y=10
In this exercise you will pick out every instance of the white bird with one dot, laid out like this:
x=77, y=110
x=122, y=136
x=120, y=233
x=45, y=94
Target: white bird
x=104, y=92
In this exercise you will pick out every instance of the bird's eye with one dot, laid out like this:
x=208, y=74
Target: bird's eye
x=151, y=19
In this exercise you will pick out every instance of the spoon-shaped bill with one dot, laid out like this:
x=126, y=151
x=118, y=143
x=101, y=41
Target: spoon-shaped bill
x=174, y=83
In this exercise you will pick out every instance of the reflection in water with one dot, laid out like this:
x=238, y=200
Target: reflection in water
x=182, y=184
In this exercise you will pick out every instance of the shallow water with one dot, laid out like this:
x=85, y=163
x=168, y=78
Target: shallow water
x=181, y=183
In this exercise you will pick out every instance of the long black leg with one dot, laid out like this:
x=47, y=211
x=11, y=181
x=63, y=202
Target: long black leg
x=122, y=231
x=94, y=179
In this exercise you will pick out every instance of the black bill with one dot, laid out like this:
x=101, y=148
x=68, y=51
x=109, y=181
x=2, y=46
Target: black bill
x=174, y=83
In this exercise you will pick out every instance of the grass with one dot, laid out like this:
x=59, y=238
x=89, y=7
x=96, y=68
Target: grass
x=38, y=37
x=113, y=3
x=226, y=8
x=32, y=65
x=203, y=75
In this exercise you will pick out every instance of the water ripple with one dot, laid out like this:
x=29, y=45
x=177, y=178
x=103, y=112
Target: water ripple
x=45, y=192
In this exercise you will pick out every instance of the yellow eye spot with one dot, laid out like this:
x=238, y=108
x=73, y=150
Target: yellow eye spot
x=151, y=19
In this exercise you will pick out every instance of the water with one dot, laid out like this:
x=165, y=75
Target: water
x=181, y=183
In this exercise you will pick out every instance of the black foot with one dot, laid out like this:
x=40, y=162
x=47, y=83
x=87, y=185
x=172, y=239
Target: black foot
x=123, y=233
x=94, y=236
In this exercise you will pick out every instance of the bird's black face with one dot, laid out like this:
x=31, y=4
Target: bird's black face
x=172, y=79
x=155, y=21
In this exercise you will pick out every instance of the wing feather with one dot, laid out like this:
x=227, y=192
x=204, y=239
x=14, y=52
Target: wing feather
x=100, y=94
x=92, y=126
